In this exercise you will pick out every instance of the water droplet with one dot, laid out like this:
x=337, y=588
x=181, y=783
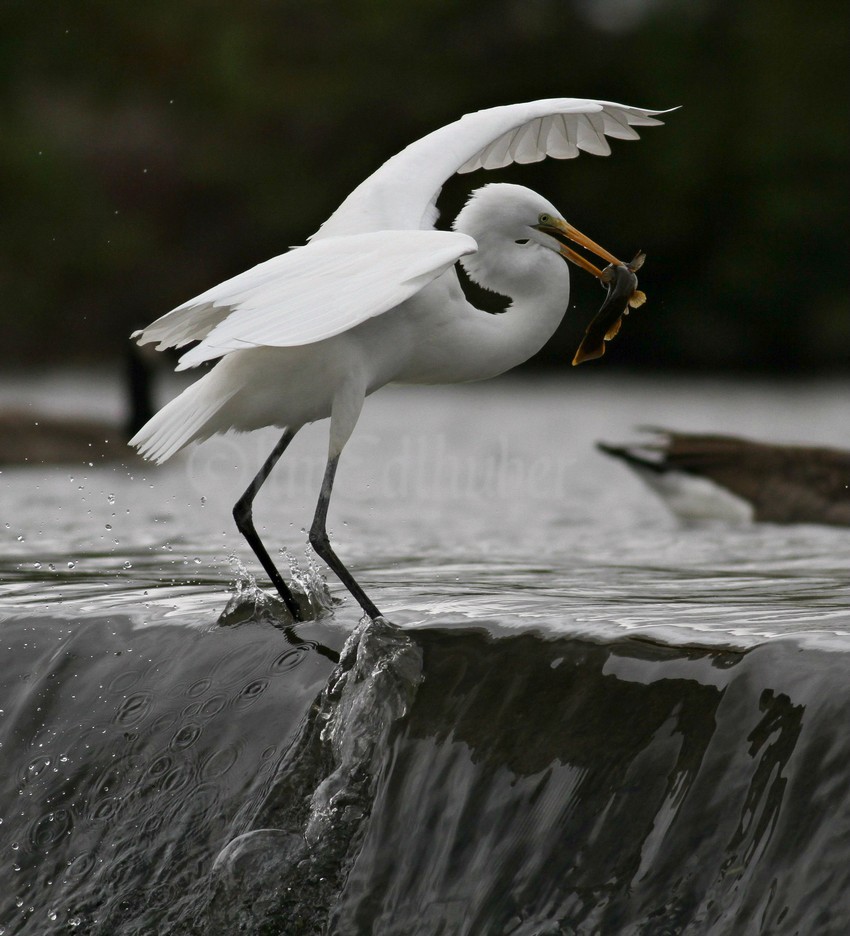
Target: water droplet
x=52, y=915
x=110, y=498
x=21, y=539
x=72, y=564
x=127, y=565
x=36, y=565
x=108, y=526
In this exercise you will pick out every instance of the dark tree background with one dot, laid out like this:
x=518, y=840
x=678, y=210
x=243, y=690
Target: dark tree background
x=149, y=150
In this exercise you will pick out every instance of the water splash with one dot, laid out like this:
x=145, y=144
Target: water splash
x=250, y=603
x=292, y=864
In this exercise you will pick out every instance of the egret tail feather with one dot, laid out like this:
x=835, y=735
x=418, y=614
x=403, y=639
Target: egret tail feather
x=178, y=423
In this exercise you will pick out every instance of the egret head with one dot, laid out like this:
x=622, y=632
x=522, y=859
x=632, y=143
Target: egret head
x=511, y=224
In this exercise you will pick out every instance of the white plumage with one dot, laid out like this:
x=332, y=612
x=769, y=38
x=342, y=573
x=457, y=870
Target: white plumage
x=374, y=297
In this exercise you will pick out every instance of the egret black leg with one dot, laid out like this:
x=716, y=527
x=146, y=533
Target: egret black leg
x=243, y=515
x=320, y=542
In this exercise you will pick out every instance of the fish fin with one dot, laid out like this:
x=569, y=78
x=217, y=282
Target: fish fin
x=587, y=353
x=614, y=329
x=637, y=263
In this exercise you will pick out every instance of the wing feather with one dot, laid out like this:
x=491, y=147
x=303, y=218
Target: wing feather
x=403, y=192
x=312, y=292
x=591, y=138
x=525, y=147
x=561, y=142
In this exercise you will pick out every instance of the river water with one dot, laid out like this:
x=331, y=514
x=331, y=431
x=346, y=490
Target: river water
x=586, y=717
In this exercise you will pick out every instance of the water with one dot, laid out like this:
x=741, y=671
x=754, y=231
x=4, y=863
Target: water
x=593, y=720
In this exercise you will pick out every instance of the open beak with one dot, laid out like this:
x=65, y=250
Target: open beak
x=562, y=229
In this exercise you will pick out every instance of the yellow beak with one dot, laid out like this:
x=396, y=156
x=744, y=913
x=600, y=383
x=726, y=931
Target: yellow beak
x=560, y=229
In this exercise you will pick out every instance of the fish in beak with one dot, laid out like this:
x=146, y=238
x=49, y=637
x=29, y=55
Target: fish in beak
x=623, y=294
x=619, y=279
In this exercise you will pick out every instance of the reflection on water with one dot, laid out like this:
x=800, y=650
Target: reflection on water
x=593, y=720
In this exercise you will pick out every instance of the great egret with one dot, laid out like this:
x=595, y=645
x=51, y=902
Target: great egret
x=374, y=298
x=720, y=477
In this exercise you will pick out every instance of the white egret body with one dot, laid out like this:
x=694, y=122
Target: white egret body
x=374, y=298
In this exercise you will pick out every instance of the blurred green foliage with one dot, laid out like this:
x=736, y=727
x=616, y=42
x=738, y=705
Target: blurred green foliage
x=150, y=150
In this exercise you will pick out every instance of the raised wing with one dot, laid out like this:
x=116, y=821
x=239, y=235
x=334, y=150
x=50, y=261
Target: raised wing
x=309, y=294
x=403, y=192
x=379, y=247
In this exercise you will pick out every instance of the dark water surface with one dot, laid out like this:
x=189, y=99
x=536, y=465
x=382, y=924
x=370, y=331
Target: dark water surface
x=589, y=720
x=498, y=785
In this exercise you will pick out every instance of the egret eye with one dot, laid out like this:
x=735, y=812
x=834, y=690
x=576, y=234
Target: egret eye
x=545, y=218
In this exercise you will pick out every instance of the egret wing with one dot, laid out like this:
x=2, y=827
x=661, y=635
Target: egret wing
x=310, y=293
x=403, y=192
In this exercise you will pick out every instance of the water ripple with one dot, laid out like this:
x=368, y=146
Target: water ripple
x=133, y=709
x=50, y=828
